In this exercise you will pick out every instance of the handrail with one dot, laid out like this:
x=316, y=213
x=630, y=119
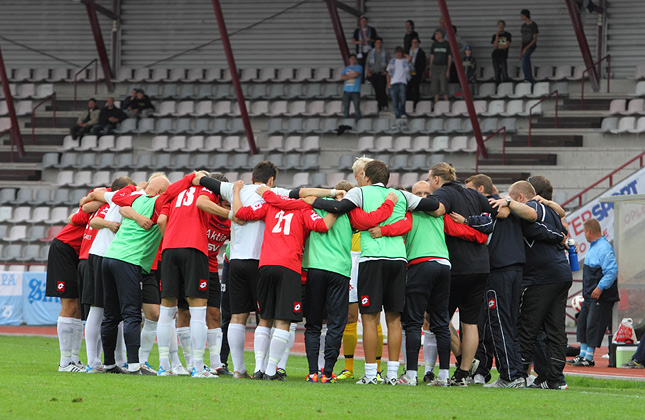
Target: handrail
x=609, y=176
x=538, y=103
x=582, y=85
x=33, y=115
x=96, y=78
x=10, y=131
x=488, y=138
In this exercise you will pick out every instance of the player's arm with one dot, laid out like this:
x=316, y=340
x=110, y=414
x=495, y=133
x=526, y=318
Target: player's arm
x=480, y=222
x=204, y=203
x=162, y=222
x=124, y=196
x=609, y=269
x=550, y=204
x=79, y=218
x=398, y=228
x=527, y=213
x=130, y=213
x=331, y=206
x=255, y=212
x=415, y=203
x=175, y=188
x=280, y=201
x=94, y=195
x=462, y=231
x=320, y=192
x=540, y=231
x=362, y=220
x=313, y=221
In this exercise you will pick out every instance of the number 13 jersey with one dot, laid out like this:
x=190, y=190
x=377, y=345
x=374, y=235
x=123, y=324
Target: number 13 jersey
x=187, y=225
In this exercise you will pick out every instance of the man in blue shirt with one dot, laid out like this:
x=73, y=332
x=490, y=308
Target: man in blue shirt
x=352, y=76
x=600, y=290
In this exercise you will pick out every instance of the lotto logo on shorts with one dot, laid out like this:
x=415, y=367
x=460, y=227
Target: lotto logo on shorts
x=257, y=303
x=492, y=304
x=297, y=307
x=60, y=286
x=365, y=301
x=203, y=284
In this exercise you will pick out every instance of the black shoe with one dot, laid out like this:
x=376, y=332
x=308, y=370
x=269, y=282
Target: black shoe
x=259, y=375
x=560, y=385
x=223, y=370
x=574, y=360
x=459, y=378
x=115, y=369
x=282, y=372
x=428, y=377
x=142, y=372
x=584, y=363
x=275, y=377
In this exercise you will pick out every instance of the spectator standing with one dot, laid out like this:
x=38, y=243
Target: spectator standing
x=364, y=37
x=85, y=121
x=109, y=119
x=529, y=44
x=398, y=74
x=418, y=63
x=501, y=43
x=376, y=63
x=410, y=34
x=470, y=67
x=461, y=47
x=440, y=60
x=352, y=76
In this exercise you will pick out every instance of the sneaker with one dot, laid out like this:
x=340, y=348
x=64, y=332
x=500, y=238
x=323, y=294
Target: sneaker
x=312, y=377
x=530, y=380
x=143, y=372
x=584, y=363
x=365, y=381
x=440, y=382
x=164, y=372
x=275, y=377
x=96, y=369
x=550, y=385
x=114, y=369
x=345, y=374
x=71, y=367
x=479, y=380
x=222, y=370
x=632, y=364
x=180, y=371
x=281, y=372
x=243, y=375
x=502, y=383
x=324, y=379
x=259, y=375
x=406, y=380
x=428, y=377
x=203, y=374
x=459, y=378
x=389, y=381
x=80, y=365
x=473, y=367
x=151, y=371
x=574, y=360
x=379, y=376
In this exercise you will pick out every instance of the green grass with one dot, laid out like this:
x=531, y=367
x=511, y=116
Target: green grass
x=30, y=387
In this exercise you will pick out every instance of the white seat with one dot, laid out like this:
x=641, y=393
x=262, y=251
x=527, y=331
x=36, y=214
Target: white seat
x=640, y=126
x=64, y=178
x=639, y=72
x=472, y=145
x=423, y=108
x=459, y=108
x=640, y=89
x=365, y=143
x=39, y=74
x=540, y=89
x=333, y=108
x=401, y=144
x=123, y=143
x=165, y=108
x=503, y=90
x=87, y=143
x=105, y=143
x=101, y=179
x=193, y=75
x=382, y=144
x=635, y=107
x=440, y=108
x=158, y=143
x=608, y=124
x=176, y=75
x=561, y=73
x=616, y=106
x=278, y=108
x=439, y=144
x=21, y=74
x=274, y=143
x=457, y=144
x=20, y=214
x=577, y=73
x=513, y=108
x=521, y=90
x=421, y=144
x=175, y=143
x=625, y=125
x=59, y=74
x=82, y=179
x=544, y=73
x=25, y=91
x=194, y=144
x=212, y=143
x=259, y=108
x=486, y=90
x=494, y=108
x=184, y=108
x=202, y=108
x=140, y=75
x=310, y=144
x=314, y=108
x=40, y=215
x=537, y=110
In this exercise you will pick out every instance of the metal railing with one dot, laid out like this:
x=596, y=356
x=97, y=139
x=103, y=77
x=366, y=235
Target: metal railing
x=640, y=157
x=96, y=78
x=582, y=82
x=33, y=115
x=488, y=138
x=10, y=131
x=555, y=92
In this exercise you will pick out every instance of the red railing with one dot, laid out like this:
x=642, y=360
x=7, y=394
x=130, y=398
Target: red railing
x=640, y=157
x=538, y=103
x=33, y=115
x=582, y=82
x=488, y=138
x=96, y=78
x=8, y=130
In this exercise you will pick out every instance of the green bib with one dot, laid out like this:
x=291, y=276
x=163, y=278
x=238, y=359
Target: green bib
x=427, y=238
x=330, y=251
x=134, y=244
x=388, y=247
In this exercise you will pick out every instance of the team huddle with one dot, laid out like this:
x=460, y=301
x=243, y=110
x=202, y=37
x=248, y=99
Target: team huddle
x=147, y=254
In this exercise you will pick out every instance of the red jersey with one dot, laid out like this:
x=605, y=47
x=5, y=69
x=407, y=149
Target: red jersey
x=155, y=264
x=90, y=233
x=219, y=230
x=285, y=231
x=72, y=234
x=187, y=225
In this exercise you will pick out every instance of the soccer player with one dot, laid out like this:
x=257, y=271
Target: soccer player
x=128, y=257
x=279, y=297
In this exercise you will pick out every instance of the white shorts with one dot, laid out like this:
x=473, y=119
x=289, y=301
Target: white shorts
x=353, y=279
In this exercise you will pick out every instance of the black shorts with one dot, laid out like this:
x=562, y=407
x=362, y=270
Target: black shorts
x=184, y=272
x=85, y=282
x=279, y=294
x=381, y=285
x=467, y=294
x=214, y=290
x=62, y=275
x=243, y=285
x=150, y=287
x=96, y=263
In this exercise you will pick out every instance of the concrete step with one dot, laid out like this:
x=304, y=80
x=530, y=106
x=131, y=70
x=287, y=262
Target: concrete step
x=523, y=159
x=519, y=140
x=569, y=122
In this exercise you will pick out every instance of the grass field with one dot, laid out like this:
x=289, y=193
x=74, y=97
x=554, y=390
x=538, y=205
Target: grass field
x=30, y=387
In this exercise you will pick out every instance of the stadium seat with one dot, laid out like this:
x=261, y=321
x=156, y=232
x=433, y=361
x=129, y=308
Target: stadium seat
x=544, y=73
x=144, y=161
x=420, y=144
x=333, y=108
x=435, y=125
x=123, y=75
x=513, y=108
x=441, y=108
x=5, y=213
x=58, y=215
x=510, y=123
x=310, y=125
x=21, y=74
x=162, y=125
x=24, y=196
x=486, y=90
x=202, y=108
x=175, y=75
x=276, y=158
x=12, y=252
x=291, y=144
x=616, y=106
x=640, y=126
x=417, y=162
x=105, y=160
x=277, y=108
x=439, y=144
x=453, y=125
x=175, y=143
x=635, y=107
x=211, y=75
x=64, y=178
x=253, y=160
x=300, y=179
x=283, y=75
x=401, y=144
x=52, y=232
x=67, y=160
x=61, y=196
x=291, y=161
x=408, y=179
x=503, y=90
x=365, y=144
x=20, y=214
x=165, y=108
x=457, y=144
x=472, y=145
x=318, y=179
x=193, y=144
x=294, y=91
x=248, y=74
x=36, y=233
x=39, y=74
x=296, y=108
x=329, y=125
x=259, y=108
x=7, y=195
x=382, y=144
x=561, y=73
x=314, y=108
x=458, y=109
x=398, y=162
x=264, y=75
x=221, y=109
x=105, y=143
x=161, y=161
x=86, y=161
x=294, y=125
x=140, y=75
x=415, y=126
x=321, y=74
x=495, y=107
x=180, y=162
x=212, y=143
x=393, y=182
x=522, y=90
x=489, y=125
x=625, y=125
x=201, y=125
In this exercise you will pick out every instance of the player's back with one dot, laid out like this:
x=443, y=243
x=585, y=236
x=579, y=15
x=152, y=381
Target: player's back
x=187, y=224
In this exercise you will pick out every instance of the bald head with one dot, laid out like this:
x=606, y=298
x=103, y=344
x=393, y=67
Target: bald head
x=157, y=185
x=521, y=191
x=421, y=189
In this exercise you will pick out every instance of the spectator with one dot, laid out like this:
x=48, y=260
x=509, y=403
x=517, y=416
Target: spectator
x=410, y=34
x=501, y=43
x=109, y=119
x=129, y=100
x=141, y=106
x=638, y=359
x=470, y=67
x=364, y=37
x=352, y=76
x=440, y=60
x=377, y=60
x=398, y=74
x=442, y=25
x=461, y=47
x=418, y=63
x=529, y=43
x=85, y=121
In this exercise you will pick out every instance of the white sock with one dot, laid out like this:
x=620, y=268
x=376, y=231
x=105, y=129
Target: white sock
x=411, y=373
x=236, y=337
x=393, y=369
x=133, y=367
x=198, y=331
x=276, y=350
x=148, y=335
x=120, y=353
x=321, y=349
x=262, y=338
x=370, y=370
x=429, y=350
x=174, y=348
x=282, y=364
x=93, y=336
x=443, y=374
x=183, y=333
x=404, y=352
x=77, y=340
x=266, y=359
x=65, y=329
x=214, y=338
x=165, y=327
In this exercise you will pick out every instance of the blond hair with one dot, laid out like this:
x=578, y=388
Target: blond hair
x=157, y=175
x=359, y=163
x=593, y=226
x=522, y=187
x=444, y=171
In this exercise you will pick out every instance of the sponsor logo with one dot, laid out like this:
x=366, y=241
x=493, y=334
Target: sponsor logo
x=257, y=303
x=492, y=304
x=297, y=307
x=365, y=300
x=60, y=286
x=203, y=284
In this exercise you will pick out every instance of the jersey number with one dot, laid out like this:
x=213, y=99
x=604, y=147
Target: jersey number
x=186, y=197
x=287, y=223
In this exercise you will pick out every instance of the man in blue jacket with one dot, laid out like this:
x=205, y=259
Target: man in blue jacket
x=600, y=290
